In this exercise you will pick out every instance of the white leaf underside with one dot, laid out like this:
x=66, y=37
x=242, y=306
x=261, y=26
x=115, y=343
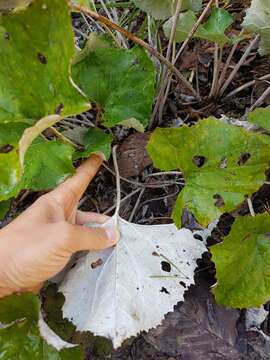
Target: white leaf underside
x=119, y=292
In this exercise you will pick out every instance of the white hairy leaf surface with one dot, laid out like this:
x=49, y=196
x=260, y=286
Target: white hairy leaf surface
x=119, y=292
x=257, y=20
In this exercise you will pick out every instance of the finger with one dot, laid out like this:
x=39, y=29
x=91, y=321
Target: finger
x=83, y=218
x=84, y=238
x=70, y=191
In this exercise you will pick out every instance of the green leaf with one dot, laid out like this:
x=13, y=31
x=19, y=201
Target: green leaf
x=47, y=163
x=221, y=164
x=260, y=117
x=257, y=20
x=17, y=307
x=95, y=140
x=4, y=208
x=163, y=9
x=243, y=263
x=121, y=81
x=10, y=169
x=21, y=339
x=37, y=46
x=214, y=28
x=184, y=26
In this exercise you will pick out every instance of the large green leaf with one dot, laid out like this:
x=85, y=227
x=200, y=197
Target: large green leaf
x=163, y=9
x=258, y=20
x=121, y=81
x=36, y=49
x=260, y=117
x=21, y=340
x=243, y=263
x=221, y=164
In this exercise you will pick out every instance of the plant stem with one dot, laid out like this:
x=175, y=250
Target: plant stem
x=261, y=99
x=118, y=185
x=246, y=86
x=251, y=46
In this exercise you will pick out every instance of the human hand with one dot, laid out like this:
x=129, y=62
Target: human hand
x=39, y=243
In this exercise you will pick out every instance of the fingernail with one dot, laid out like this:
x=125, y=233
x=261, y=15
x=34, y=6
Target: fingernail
x=113, y=234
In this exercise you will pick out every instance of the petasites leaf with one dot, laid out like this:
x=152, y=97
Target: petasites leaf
x=10, y=169
x=221, y=163
x=260, y=117
x=37, y=46
x=47, y=163
x=121, y=291
x=4, y=208
x=121, y=81
x=257, y=20
x=243, y=263
x=213, y=29
x=163, y=9
x=20, y=338
x=94, y=141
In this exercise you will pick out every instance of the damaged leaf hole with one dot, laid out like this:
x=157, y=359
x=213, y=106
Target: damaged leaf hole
x=219, y=201
x=223, y=163
x=199, y=160
x=243, y=158
x=96, y=264
x=164, y=290
x=6, y=149
x=42, y=58
x=165, y=266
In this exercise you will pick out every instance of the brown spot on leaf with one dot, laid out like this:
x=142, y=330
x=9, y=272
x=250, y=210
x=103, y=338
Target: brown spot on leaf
x=165, y=266
x=42, y=58
x=243, y=159
x=199, y=160
x=6, y=149
x=219, y=201
x=154, y=253
x=59, y=109
x=96, y=264
x=183, y=284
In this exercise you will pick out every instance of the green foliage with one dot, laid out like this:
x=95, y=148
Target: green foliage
x=32, y=47
x=212, y=30
x=20, y=339
x=6, y=5
x=258, y=20
x=88, y=4
x=221, y=164
x=121, y=81
x=243, y=263
x=4, y=208
x=163, y=9
x=260, y=117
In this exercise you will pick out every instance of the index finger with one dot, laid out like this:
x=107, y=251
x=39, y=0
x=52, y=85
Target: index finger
x=74, y=187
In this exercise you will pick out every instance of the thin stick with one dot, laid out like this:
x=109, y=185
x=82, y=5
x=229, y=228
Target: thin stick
x=216, y=66
x=136, y=205
x=124, y=199
x=253, y=43
x=228, y=61
x=118, y=185
x=246, y=86
x=250, y=206
x=140, y=42
x=261, y=99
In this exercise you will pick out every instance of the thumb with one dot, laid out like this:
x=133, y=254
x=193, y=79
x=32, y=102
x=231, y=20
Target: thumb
x=96, y=238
